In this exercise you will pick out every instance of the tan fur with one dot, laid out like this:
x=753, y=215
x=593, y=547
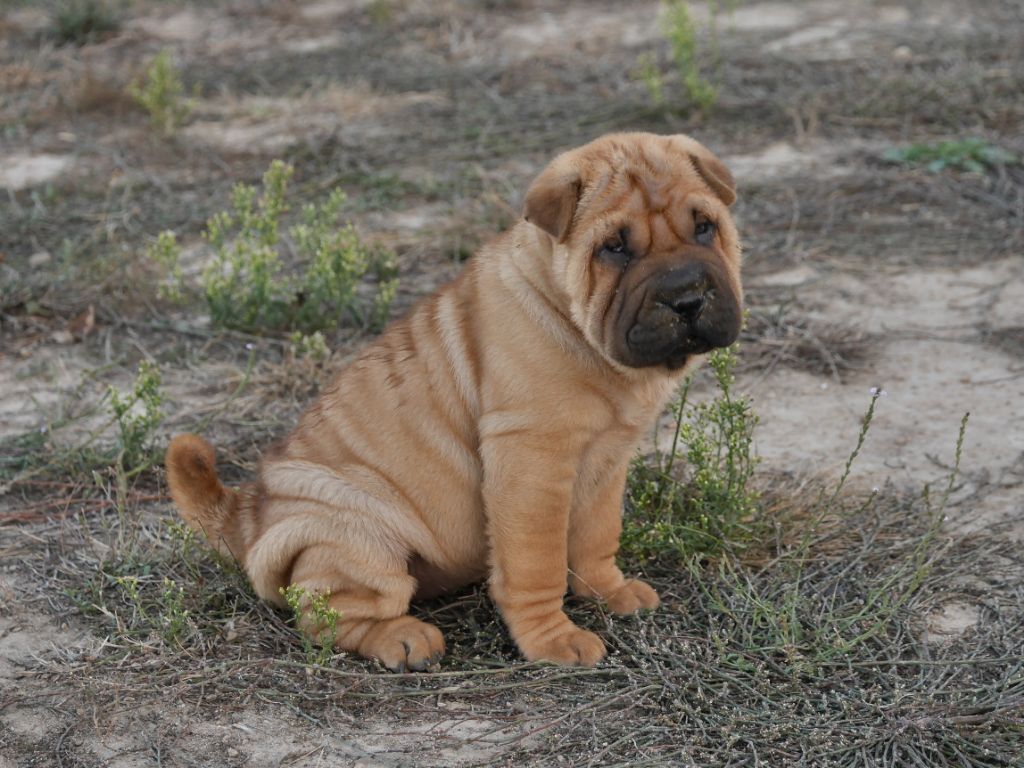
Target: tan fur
x=484, y=435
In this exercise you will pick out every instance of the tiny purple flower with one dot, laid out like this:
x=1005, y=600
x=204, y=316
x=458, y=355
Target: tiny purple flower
x=250, y=346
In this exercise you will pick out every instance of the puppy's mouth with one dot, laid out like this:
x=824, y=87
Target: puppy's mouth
x=668, y=342
x=678, y=314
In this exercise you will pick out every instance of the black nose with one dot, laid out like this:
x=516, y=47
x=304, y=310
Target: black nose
x=689, y=305
x=685, y=291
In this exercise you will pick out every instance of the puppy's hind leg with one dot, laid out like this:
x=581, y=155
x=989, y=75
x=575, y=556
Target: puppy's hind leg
x=372, y=603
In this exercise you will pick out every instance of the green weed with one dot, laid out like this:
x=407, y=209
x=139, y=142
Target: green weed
x=791, y=609
x=973, y=155
x=162, y=94
x=311, y=347
x=246, y=284
x=381, y=12
x=697, y=498
x=682, y=36
x=800, y=609
x=647, y=71
x=83, y=21
x=174, y=617
x=138, y=416
x=316, y=620
x=692, y=51
x=165, y=251
x=161, y=614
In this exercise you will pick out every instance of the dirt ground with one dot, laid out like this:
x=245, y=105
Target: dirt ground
x=433, y=116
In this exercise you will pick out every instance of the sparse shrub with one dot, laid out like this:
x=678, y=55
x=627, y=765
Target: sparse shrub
x=703, y=518
x=163, y=614
x=162, y=94
x=316, y=620
x=248, y=287
x=166, y=252
x=687, y=57
x=381, y=12
x=707, y=505
x=173, y=616
x=682, y=36
x=83, y=21
x=794, y=609
x=311, y=347
x=962, y=154
x=647, y=71
x=137, y=415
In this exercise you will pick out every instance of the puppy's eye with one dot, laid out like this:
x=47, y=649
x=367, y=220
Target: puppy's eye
x=703, y=229
x=616, y=249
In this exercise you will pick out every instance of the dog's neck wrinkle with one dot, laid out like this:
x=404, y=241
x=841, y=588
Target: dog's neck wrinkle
x=532, y=263
x=541, y=299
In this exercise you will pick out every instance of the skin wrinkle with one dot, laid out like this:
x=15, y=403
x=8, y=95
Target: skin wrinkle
x=437, y=372
x=458, y=343
x=671, y=228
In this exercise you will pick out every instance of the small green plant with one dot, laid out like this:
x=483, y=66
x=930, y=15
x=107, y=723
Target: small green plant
x=647, y=71
x=83, y=21
x=688, y=58
x=795, y=613
x=682, y=36
x=137, y=415
x=381, y=12
x=973, y=155
x=712, y=507
x=311, y=347
x=161, y=94
x=166, y=252
x=316, y=620
x=151, y=613
x=248, y=287
x=173, y=616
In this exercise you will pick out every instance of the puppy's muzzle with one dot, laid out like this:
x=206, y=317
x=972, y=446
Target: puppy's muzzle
x=687, y=310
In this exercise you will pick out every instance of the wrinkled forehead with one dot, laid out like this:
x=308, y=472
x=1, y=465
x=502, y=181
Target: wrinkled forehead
x=650, y=187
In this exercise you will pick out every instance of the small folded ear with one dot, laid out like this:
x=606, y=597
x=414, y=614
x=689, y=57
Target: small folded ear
x=714, y=172
x=551, y=200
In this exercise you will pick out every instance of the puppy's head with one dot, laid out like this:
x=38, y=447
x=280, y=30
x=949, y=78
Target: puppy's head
x=643, y=246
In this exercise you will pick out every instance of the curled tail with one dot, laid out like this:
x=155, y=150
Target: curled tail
x=205, y=504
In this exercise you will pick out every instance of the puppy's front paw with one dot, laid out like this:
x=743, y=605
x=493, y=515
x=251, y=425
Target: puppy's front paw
x=633, y=596
x=575, y=647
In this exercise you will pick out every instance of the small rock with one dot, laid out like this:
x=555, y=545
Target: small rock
x=39, y=258
x=232, y=752
x=902, y=54
x=84, y=324
x=950, y=621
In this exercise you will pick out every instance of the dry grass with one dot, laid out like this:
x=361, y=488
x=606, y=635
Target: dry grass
x=821, y=662
x=777, y=337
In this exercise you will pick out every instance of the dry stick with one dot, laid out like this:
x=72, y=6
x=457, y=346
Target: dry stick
x=578, y=710
x=29, y=513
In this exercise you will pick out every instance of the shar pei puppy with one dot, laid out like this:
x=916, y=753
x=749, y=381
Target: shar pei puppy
x=487, y=434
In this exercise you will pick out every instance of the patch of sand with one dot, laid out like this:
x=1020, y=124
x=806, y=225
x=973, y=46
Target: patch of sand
x=268, y=125
x=930, y=360
x=21, y=170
